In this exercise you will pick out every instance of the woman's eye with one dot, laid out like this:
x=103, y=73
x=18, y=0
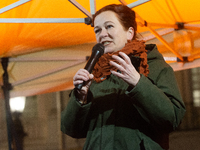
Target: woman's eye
x=96, y=31
x=109, y=26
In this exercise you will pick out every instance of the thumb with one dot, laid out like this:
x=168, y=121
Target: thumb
x=91, y=76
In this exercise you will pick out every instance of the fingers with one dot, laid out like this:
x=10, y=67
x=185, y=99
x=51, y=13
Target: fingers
x=82, y=75
x=128, y=71
x=118, y=66
x=124, y=59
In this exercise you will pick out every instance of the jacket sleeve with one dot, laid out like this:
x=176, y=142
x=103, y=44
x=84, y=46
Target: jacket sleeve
x=74, y=118
x=158, y=101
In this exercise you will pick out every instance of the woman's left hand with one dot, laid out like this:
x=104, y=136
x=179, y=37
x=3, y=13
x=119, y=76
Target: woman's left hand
x=128, y=72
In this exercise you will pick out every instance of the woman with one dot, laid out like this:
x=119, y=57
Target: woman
x=123, y=106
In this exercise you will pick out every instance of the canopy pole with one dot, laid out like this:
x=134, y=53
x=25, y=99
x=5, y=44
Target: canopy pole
x=12, y=140
x=134, y=4
x=144, y=23
x=92, y=6
x=11, y=6
x=194, y=56
x=81, y=8
x=165, y=43
x=6, y=89
x=47, y=73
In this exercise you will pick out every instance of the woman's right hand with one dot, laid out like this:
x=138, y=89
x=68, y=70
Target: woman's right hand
x=81, y=76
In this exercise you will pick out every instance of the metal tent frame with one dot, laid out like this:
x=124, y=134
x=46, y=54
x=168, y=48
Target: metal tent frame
x=7, y=86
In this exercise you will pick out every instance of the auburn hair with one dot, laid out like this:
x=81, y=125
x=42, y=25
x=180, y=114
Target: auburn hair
x=125, y=15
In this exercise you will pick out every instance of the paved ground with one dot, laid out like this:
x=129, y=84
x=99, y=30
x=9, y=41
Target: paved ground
x=185, y=140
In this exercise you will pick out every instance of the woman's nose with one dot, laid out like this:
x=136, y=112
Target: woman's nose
x=104, y=33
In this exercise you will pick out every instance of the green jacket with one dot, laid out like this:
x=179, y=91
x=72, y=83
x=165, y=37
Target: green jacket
x=120, y=118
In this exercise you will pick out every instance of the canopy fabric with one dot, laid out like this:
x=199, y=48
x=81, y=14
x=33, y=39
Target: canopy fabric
x=45, y=50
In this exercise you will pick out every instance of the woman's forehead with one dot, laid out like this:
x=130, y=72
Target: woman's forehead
x=105, y=17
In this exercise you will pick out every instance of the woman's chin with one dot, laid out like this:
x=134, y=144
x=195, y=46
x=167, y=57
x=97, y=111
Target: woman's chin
x=109, y=50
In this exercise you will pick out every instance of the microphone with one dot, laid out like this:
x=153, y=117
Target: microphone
x=97, y=52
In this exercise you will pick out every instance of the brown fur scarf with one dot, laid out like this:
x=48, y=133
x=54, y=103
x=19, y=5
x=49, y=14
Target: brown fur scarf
x=137, y=48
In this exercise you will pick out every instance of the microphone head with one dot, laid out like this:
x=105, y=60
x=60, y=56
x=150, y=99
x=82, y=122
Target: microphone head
x=98, y=47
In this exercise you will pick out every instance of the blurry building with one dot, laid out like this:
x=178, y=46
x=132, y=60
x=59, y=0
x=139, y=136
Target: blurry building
x=41, y=117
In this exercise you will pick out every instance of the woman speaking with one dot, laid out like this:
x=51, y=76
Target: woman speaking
x=131, y=100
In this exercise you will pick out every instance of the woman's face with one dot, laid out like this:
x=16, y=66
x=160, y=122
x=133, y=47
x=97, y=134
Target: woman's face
x=110, y=32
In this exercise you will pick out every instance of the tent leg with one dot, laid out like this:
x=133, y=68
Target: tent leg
x=6, y=88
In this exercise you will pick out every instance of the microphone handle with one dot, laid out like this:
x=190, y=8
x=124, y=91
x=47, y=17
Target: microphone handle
x=97, y=51
x=79, y=86
x=89, y=66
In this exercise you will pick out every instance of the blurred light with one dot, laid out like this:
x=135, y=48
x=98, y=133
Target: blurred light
x=17, y=104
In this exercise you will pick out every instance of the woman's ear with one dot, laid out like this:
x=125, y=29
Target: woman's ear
x=130, y=33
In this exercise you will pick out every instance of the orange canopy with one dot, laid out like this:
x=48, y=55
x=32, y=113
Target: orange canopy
x=48, y=41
